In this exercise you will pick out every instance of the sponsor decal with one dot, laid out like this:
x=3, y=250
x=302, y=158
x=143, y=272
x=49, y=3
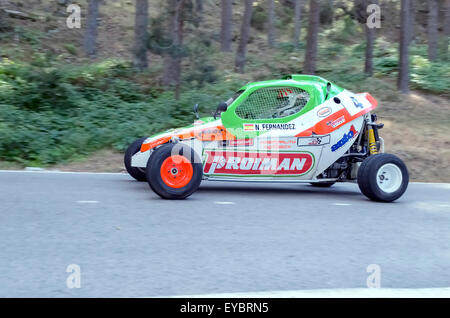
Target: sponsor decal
x=324, y=111
x=210, y=131
x=277, y=143
x=357, y=103
x=240, y=142
x=257, y=163
x=336, y=122
x=313, y=141
x=266, y=127
x=352, y=133
x=276, y=126
x=249, y=127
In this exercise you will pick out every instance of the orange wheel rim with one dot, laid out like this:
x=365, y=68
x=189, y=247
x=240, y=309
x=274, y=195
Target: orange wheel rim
x=176, y=171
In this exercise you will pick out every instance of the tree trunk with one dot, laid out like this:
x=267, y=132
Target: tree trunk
x=370, y=39
x=225, y=32
x=140, y=35
x=90, y=35
x=172, y=59
x=412, y=11
x=245, y=34
x=445, y=52
x=432, y=29
x=271, y=24
x=311, y=43
x=297, y=22
x=4, y=26
x=199, y=7
x=5, y=23
x=405, y=27
x=197, y=12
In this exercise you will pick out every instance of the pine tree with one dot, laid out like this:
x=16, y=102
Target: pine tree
x=226, y=28
x=311, y=42
x=271, y=23
x=245, y=34
x=297, y=22
x=141, y=35
x=90, y=35
x=432, y=29
x=405, y=29
x=172, y=58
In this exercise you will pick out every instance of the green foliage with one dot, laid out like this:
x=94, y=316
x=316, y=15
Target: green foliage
x=201, y=68
x=386, y=64
x=326, y=13
x=289, y=47
x=71, y=48
x=49, y=115
x=24, y=35
x=430, y=76
x=159, y=40
x=343, y=31
x=259, y=18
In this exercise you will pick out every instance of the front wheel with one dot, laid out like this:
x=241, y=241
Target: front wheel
x=174, y=171
x=383, y=177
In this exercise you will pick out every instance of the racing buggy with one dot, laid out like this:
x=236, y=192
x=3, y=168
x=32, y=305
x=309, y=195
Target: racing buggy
x=298, y=129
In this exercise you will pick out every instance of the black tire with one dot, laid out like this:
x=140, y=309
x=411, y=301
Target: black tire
x=322, y=184
x=369, y=174
x=155, y=180
x=135, y=172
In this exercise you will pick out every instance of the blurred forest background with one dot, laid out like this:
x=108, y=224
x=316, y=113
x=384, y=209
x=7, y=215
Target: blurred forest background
x=73, y=99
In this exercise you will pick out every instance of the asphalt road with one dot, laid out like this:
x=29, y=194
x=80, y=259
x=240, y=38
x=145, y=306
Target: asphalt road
x=226, y=238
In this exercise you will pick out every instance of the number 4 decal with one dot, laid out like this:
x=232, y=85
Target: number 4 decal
x=357, y=103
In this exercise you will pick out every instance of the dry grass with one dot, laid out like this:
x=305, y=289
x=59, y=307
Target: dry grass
x=416, y=129
x=105, y=160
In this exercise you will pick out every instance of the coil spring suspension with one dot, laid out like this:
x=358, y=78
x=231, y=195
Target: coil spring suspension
x=373, y=149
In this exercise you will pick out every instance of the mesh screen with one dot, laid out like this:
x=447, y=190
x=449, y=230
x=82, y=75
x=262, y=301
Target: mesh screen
x=273, y=102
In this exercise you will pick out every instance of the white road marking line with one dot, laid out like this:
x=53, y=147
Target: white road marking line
x=434, y=183
x=224, y=202
x=429, y=206
x=342, y=204
x=334, y=293
x=34, y=169
x=86, y=201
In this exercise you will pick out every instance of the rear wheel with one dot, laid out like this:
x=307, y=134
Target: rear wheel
x=383, y=177
x=136, y=172
x=174, y=173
